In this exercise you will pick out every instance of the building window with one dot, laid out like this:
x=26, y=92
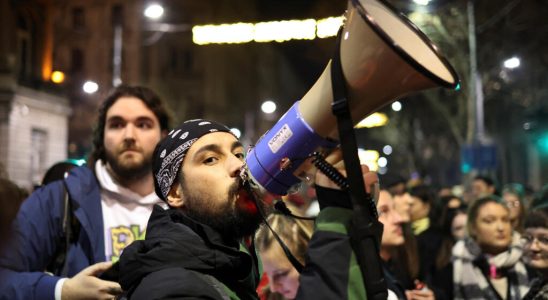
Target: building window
x=117, y=15
x=188, y=60
x=38, y=152
x=24, y=46
x=78, y=18
x=76, y=60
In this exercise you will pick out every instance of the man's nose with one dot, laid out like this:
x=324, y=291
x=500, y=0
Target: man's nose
x=235, y=165
x=129, y=132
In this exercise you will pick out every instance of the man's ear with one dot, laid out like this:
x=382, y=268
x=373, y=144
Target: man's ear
x=175, y=196
x=164, y=133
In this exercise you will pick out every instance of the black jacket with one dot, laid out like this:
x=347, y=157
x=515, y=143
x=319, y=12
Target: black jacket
x=180, y=259
x=178, y=250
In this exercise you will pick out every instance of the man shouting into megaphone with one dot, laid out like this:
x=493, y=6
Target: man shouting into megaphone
x=201, y=247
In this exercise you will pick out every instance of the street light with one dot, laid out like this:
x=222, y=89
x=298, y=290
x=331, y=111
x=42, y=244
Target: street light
x=57, y=77
x=90, y=87
x=396, y=106
x=154, y=11
x=268, y=107
x=512, y=63
x=422, y=2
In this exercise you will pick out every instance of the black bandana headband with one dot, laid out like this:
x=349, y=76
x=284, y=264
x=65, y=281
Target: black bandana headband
x=171, y=150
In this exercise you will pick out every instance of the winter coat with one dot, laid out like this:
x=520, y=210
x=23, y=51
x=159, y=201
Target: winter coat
x=37, y=234
x=182, y=259
x=538, y=291
x=472, y=270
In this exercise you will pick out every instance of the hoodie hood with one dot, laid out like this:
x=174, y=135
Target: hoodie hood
x=174, y=240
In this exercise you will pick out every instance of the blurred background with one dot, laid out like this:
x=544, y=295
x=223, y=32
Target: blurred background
x=59, y=59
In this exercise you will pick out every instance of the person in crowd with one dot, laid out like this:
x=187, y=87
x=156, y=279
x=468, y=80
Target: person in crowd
x=483, y=186
x=441, y=204
x=11, y=197
x=396, y=185
x=444, y=191
x=452, y=224
x=58, y=171
x=487, y=264
x=514, y=196
x=541, y=197
x=427, y=234
x=197, y=248
x=535, y=247
x=296, y=234
x=406, y=255
x=458, y=223
x=110, y=201
x=392, y=238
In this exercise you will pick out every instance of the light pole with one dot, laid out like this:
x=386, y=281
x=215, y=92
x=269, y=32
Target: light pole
x=117, y=54
x=476, y=128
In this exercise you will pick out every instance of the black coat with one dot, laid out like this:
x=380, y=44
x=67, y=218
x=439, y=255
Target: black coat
x=178, y=250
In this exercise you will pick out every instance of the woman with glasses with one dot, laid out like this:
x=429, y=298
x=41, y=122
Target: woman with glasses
x=535, y=246
x=486, y=264
x=513, y=195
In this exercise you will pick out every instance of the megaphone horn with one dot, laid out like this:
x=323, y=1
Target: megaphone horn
x=383, y=56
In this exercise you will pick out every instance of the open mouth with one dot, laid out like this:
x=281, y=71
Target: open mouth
x=245, y=197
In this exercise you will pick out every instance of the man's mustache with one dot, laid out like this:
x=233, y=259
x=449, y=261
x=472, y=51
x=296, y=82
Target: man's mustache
x=126, y=146
x=240, y=184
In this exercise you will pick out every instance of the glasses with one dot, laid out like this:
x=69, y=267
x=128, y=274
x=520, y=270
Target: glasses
x=514, y=203
x=528, y=239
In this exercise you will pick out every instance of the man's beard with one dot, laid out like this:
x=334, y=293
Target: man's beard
x=228, y=218
x=129, y=171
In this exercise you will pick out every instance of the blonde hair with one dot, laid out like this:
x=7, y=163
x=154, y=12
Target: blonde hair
x=295, y=233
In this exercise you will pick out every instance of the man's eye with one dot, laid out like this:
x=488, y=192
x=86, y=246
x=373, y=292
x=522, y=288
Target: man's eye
x=144, y=125
x=115, y=125
x=240, y=156
x=210, y=160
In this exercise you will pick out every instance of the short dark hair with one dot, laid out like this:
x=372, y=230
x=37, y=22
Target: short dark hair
x=537, y=218
x=489, y=181
x=423, y=192
x=149, y=98
x=541, y=198
x=57, y=171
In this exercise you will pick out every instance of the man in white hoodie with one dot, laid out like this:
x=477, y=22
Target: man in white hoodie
x=110, y=202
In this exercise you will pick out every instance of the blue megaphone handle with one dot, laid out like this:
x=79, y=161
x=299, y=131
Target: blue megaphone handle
x=291, y=138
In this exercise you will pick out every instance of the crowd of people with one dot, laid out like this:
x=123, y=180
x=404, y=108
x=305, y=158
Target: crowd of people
x=81, y=235
x=437, y=245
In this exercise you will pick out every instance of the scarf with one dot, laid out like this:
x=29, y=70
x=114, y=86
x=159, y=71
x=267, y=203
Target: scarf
x=471, y=270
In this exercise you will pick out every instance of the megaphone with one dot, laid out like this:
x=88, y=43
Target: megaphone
x=383, y=56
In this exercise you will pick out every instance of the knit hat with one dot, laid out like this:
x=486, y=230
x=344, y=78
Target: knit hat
x=170, y=151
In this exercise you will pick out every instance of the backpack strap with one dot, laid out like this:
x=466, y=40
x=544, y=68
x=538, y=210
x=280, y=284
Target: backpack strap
x=70, y=229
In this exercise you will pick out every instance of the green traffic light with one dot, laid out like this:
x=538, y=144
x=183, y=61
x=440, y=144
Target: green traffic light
x=542, y=143
x=465, y=168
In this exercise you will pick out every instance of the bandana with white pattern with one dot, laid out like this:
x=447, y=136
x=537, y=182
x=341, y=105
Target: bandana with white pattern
x=169, y=153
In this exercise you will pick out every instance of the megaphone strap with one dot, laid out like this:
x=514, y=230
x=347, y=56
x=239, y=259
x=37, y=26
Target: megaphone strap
x=366, y=230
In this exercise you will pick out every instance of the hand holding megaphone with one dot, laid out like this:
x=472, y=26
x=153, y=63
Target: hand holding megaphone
x=370, y=179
